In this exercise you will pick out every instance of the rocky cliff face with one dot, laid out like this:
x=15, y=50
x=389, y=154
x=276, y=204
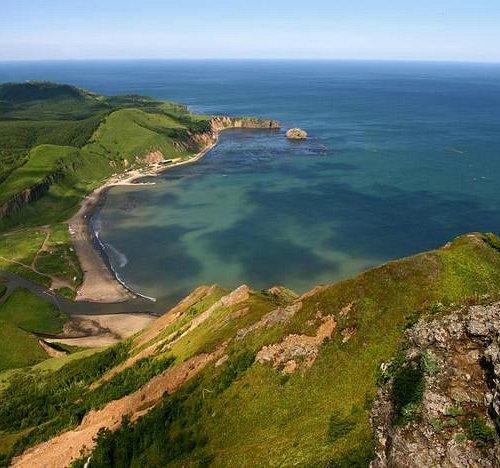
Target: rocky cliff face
x=456, y=421
x=222, y=123
x=30, y=194
x=198, y=141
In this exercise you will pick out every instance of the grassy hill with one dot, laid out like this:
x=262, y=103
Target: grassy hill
x=57, y=144
x=246, y=378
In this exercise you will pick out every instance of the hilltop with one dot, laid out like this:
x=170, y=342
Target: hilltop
x=258, y=378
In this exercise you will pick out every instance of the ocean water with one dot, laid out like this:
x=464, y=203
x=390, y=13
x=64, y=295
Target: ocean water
x=402, y=157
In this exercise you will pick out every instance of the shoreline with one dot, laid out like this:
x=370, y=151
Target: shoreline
x=100, y=282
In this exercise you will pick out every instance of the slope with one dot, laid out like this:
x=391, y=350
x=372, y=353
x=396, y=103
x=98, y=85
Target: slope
x=246, y=378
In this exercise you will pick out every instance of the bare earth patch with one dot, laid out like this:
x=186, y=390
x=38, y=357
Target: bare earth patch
x=296, y=349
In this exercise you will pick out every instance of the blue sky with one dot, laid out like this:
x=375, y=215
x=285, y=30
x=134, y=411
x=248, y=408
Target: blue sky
x=359, y=29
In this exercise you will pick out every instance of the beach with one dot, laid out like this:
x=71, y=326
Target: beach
x=100, y=284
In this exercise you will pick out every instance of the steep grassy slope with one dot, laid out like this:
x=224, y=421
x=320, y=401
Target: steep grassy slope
x=57, y=137
x=246, y=378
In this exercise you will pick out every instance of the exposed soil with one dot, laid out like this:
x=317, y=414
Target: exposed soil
x=61, y=450
x=297, y=350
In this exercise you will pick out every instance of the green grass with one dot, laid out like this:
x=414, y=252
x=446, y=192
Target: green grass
x=78, y=155
x=21, y=250
x=253, y=415
x=17, y=347
x=59, y=259
x=30, y=313
x=43, y=161
x=21, y=246
x=242, y=413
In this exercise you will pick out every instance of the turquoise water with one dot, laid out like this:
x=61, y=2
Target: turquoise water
x=402, y=157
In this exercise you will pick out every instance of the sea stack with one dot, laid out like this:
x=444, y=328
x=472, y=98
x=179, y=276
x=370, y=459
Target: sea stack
x=296, y=134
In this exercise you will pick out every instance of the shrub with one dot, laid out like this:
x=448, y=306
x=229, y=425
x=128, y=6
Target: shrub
x=233, y=369
x=407, y=394
x=430, y=363
x=479, y=431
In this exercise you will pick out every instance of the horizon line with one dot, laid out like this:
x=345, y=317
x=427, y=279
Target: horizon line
x=255, y=59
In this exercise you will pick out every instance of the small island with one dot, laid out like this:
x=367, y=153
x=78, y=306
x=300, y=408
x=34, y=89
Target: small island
x=296, y=134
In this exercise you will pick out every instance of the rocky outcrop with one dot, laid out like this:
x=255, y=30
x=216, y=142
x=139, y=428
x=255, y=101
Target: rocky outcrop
x=295, y=351
x=296, y=134
x=223, y=123
x=154, y=157
x=30, y=194
x=196, y=141
x=458, y=418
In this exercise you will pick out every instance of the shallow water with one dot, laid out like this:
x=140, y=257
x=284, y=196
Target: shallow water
x=402, y=157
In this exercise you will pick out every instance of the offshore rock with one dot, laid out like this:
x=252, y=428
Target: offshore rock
x=296, y=134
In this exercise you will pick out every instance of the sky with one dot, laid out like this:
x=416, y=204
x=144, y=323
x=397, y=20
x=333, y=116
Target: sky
x=462, y=30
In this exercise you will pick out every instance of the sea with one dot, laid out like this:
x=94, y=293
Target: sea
x=401, y=157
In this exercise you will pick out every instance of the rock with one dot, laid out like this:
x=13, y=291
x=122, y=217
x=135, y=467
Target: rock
x=462, y=381
x=296, y=134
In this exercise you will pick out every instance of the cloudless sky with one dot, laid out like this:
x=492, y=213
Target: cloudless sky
x=372, y=29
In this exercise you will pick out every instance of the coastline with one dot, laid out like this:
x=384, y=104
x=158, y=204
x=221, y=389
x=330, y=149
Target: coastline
x=100, y=282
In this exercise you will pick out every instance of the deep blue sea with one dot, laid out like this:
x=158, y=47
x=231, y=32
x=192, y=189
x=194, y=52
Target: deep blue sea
x=402, y=157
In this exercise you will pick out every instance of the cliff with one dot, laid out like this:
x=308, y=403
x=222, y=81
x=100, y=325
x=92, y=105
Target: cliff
x=441, y=404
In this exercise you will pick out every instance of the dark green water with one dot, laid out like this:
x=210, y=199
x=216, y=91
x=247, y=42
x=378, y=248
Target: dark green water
x=402, y=158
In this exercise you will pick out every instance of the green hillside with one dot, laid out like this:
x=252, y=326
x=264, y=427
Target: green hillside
x=247, y=378
x=58, y=143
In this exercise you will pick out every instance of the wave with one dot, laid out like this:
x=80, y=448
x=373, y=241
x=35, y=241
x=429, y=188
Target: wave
x=96, y=227
x=120, y=257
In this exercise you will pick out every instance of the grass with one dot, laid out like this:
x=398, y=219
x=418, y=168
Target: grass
x=478, y=431
x=30, y=313
x=21, y=246
x=60, y=259
x=78, y=151
x=20, y=253
x=17, y=347
x=43, y=161
x=317, y=416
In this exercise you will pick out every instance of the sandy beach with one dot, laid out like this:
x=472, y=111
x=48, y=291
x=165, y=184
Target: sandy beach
x=100, y=283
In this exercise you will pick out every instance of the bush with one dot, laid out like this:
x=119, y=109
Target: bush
x=407, y=394
x=479, y=431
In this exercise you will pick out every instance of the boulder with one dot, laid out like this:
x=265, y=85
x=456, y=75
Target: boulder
x=296, y=134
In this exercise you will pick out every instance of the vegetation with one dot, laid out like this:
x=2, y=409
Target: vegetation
x=234, y=411
x=18, y=348
x=46, y=403
x=58, y=143
x=264, y=417
x=31, y=313
x=57, y=137
x=479, y=431
x=407, y=393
